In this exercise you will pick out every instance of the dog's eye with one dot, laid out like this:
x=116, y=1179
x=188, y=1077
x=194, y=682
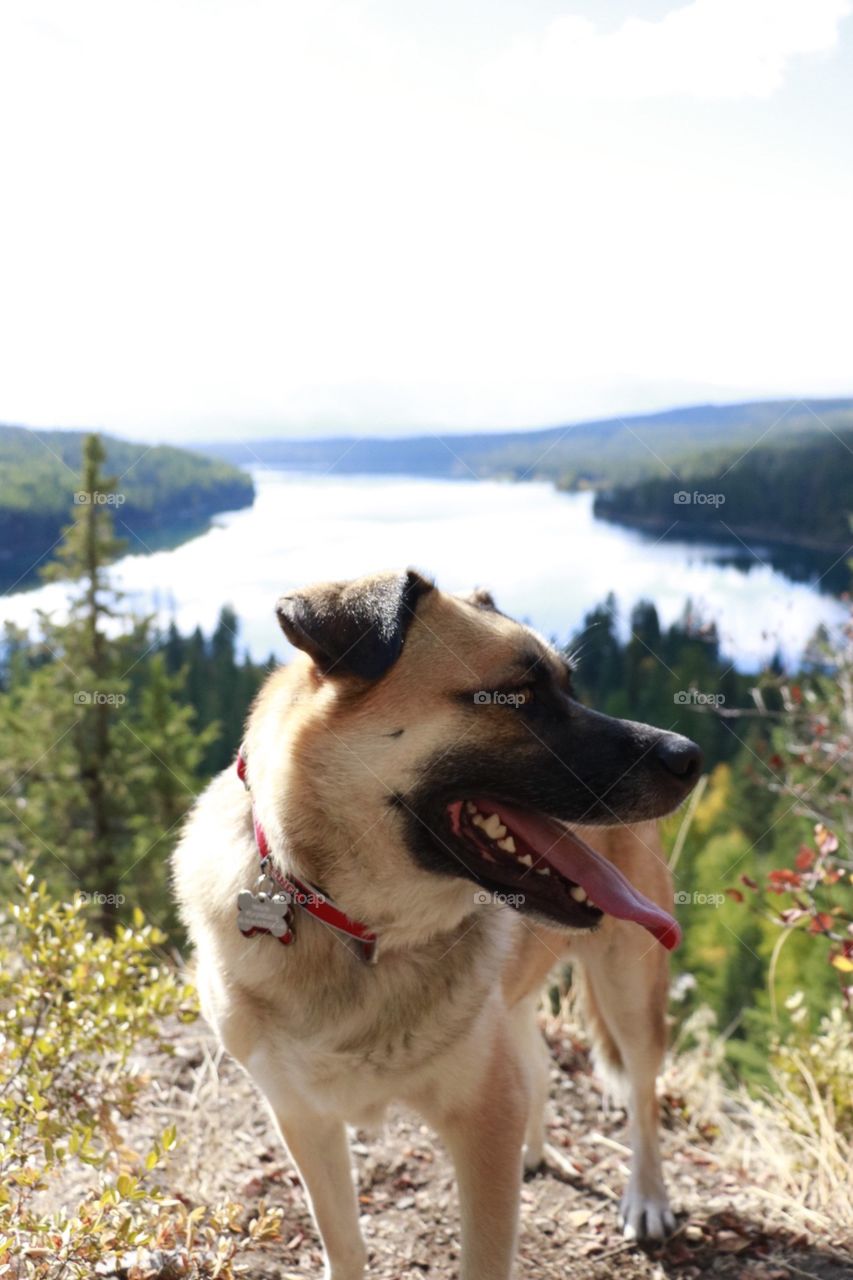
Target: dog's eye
x=523, y=695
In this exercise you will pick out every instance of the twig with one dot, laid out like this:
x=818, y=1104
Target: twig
x=687, y=821
x=561, y=1164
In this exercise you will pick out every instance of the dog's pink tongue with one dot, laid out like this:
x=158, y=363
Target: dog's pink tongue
x=573, y=858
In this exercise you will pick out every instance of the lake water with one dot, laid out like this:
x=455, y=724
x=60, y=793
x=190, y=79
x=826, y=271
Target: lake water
x=543, y=555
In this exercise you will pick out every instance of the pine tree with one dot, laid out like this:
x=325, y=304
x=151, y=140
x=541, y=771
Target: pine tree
x=99, y=759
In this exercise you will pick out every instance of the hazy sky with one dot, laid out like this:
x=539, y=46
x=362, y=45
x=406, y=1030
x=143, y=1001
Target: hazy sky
x=260, y=217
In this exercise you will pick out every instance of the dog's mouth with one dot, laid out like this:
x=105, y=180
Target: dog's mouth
x=535, y=863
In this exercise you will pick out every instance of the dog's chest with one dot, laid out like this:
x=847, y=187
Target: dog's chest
x=343, y=1076
x=352, y=1058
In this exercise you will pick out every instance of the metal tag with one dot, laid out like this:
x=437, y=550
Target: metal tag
x=267, y=911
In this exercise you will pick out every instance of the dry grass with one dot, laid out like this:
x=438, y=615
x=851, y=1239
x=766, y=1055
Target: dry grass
x=762, y=1186
x=787, y=1141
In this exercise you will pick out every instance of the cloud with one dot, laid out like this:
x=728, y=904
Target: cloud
x=713, y=49
x=309, y=214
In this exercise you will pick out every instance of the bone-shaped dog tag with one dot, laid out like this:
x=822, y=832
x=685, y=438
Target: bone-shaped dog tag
x=270, y=912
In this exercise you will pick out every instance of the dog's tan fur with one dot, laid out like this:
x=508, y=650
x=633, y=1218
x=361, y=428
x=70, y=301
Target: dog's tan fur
x=445, y=1022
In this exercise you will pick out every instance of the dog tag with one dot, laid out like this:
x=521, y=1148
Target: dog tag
x=269, y=912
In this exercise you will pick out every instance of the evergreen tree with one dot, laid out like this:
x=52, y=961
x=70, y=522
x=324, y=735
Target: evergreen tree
x=224, y=686
x=99, y=760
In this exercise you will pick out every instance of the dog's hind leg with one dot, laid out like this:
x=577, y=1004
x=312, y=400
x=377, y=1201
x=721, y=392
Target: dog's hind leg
x=625, y=975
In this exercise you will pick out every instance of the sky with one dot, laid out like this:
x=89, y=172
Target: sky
x=227, y=218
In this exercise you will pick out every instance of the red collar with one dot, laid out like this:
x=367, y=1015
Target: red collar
x=307, y=896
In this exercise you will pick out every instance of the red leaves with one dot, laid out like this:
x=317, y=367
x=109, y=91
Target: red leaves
x=805, y=858
x=806, y=884
x=783, y=880
x=822, y=922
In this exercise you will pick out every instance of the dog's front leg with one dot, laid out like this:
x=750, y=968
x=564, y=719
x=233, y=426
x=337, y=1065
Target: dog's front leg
x=320, y=1151
x=484, y=1132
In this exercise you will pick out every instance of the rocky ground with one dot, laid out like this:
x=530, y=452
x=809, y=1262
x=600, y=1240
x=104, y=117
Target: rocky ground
x=733, y=1222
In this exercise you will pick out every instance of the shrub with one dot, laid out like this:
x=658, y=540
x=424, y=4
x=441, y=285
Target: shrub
x=74, y=1008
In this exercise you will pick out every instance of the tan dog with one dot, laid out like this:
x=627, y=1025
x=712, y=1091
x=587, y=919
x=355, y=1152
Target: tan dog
x=420, y=762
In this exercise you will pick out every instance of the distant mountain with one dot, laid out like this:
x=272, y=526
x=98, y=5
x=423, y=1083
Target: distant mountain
x=162, y=490
x=595, y=453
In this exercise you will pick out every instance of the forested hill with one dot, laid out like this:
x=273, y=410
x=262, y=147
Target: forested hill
x=158, y=488
x=605, y=451
x=800, y=491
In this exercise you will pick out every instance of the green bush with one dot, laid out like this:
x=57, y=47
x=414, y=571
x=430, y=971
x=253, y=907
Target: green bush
x=74, y=1008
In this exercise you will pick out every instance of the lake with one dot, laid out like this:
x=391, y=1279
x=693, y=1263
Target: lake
x=542, y=554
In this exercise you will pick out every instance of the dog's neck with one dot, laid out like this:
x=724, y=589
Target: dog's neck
x=306, y=897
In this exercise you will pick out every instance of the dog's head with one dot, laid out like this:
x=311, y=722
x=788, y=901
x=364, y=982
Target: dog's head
x=426, y=743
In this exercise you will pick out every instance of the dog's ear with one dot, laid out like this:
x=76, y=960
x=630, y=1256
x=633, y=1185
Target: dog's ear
x=482, y=599
x=353, y=628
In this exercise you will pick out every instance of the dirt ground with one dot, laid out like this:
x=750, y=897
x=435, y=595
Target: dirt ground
x=728, y=1226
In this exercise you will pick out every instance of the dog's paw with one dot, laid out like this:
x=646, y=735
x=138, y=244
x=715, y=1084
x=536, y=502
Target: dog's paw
x=534, y=1156
x=646, y=1215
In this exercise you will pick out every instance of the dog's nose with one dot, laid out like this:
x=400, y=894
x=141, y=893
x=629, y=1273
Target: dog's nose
x=679, y=756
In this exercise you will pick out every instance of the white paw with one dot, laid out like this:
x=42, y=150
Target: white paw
x=534, y=1154
x=646, y=1215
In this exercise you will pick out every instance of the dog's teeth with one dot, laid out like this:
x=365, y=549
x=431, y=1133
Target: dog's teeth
x=525, y=859
x=479, y=821
x=493, y=827
x=470, y=807
x=508, y=845
x=578, y=893
x=543, y=871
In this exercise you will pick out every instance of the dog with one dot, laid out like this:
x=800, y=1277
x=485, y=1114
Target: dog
x=422, y=823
